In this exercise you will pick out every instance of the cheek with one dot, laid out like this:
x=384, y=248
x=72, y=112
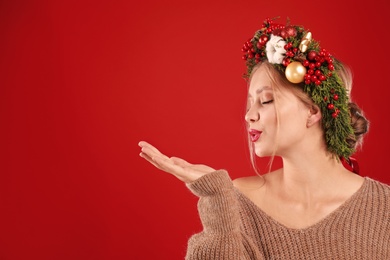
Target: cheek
x=292, y=123
x=269, y=118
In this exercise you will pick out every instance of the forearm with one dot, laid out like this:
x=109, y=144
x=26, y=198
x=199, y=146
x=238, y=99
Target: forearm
x=218, y=207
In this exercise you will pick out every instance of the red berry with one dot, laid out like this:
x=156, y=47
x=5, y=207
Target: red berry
x=283, y=34
x=318, y=82
x=276, y=31
x=290, y=31
x=330, y=67
x=334, y=115
x=311, y=55
x=244, y=57
x=313, y=78
x=263, y=38
x=332, y=90
x=307, y=76
x=318, y=64
x=307, y=81
x=325, y=98
x=285, y=62
x=335, y=97
x=310, y=72
x=250, y=56
x=290, y=54
x=306, y=63
x=312, y=65
x=330, y=106
x=322, y=77
x=318, y=73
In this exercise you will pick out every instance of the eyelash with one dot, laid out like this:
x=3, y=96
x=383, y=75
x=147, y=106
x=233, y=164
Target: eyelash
x=267, y=102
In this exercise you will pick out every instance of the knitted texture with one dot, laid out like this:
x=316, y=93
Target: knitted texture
x=235, y=228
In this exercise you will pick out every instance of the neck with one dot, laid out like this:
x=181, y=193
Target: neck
x=307, y=177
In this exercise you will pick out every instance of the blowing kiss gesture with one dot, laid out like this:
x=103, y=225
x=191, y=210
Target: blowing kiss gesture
x=180, y=168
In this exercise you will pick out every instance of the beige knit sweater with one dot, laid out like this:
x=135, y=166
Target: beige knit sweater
x=235, y=228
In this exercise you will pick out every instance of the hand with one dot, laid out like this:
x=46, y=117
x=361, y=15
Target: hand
x=183, y=170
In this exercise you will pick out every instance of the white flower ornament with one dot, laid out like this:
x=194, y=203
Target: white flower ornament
x=275, y=49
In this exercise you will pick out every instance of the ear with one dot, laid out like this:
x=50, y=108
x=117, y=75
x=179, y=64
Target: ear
x=314, y=116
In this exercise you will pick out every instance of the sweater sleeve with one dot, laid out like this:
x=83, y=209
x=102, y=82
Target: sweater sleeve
x=218, y=208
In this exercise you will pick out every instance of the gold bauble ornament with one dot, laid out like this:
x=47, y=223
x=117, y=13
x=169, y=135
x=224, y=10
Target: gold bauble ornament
x=295, y=72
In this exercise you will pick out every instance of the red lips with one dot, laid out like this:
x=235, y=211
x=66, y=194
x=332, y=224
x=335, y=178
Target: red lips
x=254, y=134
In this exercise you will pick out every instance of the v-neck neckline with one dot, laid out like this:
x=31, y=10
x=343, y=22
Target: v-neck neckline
x=325, y=219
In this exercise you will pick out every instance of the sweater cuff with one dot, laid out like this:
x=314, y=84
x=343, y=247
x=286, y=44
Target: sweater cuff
x=210, y=184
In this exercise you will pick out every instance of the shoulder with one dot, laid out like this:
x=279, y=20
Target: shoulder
x=378, y=187
x=377, y=202
x=378, y=194
x=250, y=183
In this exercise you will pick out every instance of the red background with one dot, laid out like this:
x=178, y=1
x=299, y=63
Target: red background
x=82, y=82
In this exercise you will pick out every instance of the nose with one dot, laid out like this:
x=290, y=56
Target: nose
x=252, y=115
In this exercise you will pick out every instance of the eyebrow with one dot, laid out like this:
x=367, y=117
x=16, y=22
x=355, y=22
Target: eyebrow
x=259, y=90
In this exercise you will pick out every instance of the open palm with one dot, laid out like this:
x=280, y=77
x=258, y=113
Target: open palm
x=180, y=168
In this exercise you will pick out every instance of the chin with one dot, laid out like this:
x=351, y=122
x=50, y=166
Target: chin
x=263, y=153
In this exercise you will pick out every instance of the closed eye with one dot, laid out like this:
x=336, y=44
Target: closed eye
x=267, y=102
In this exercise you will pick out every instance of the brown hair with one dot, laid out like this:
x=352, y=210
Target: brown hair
x=359, y=122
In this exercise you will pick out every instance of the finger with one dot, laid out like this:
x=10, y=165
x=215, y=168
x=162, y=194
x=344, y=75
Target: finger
x=161, y=162
x=144, y=144
x=186, y=172
x=152, y=152
x=146, y=157
x=167, y=165
x=180, y=162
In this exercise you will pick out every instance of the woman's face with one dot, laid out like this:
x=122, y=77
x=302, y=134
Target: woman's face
x=265, y=105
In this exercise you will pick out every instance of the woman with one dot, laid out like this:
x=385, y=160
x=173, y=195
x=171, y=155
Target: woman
x=316, y=206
